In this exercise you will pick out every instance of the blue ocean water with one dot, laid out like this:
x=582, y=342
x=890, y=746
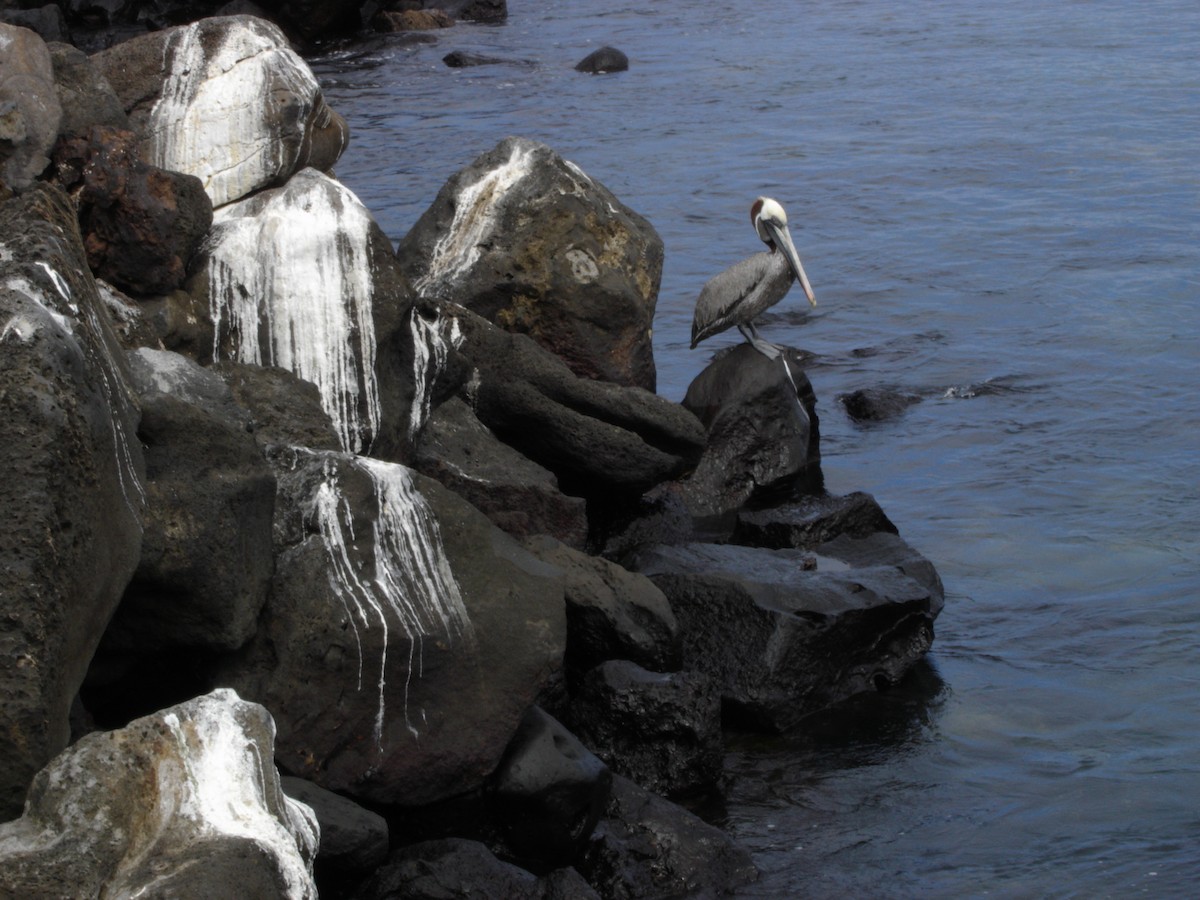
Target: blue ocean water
x=999, y=208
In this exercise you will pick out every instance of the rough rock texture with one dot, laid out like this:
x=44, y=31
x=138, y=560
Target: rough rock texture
x=72, y=488
x=207, y=555
x=48, y=21
x=464, y=59
x=283, y=408
x=195, y=94
x=412, y=20
x=30, y=110
x=762, y=430
x=514, y=492
x=877, y=404
x=463, y=10
x=405, y=635
x=530, y=242
x=786, y=633
x=649, y=847
x=548, y=792
x=437, y=870
x=303, y=278
x=597, y=438
x=185, y=803
x=140, y=224
x=606, y=59
x=813, y=520
x=86, y=96
x=354, y=841
x=612, y=613
x=662, y=731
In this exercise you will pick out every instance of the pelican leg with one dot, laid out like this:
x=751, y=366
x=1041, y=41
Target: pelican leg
x=758, y=342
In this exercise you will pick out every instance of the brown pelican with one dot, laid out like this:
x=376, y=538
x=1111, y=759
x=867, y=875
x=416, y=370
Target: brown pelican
x=747, y=288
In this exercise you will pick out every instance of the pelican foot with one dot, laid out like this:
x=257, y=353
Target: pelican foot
x=765, y=347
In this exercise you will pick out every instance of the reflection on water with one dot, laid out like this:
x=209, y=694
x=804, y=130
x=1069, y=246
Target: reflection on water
x=997, y=206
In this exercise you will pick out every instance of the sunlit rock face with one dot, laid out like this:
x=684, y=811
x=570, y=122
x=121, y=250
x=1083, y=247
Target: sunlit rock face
x=72, y=491
x=227, y=100
x=182, y=803
x=405, y=635
x=530, y=242
x=290, y=284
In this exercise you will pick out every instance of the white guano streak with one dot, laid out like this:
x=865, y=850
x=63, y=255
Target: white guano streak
x=213, y=118
x=432, y=341
x=402, y=575
x=224, y=788
x=475, y=214
x=302, y=264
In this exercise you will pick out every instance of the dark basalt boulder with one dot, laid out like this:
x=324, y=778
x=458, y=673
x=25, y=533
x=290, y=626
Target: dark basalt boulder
x=514, y=492
x=530, y=242
x=141, y=224
x=354, y=840
x=405, y=635
x=411, y=20
x=86, y=96
x=464, y=59
x=661, y=730
x=598, y=438
x=72, y=494
x=648, y=847
x=207, y=556
x=283, y=408
x=47, y=21
x=612, y=613
x=786, y=633
x=808, y=521
x=547, y=793
x=602, y=61
x=876, y=404
x=462, y=10
x=30, y=111
x=763, y=436
x=454, y=867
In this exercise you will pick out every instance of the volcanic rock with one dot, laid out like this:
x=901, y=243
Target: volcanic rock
x=140, y=224
x=227, y=100
x=354, y=841
x=548, y=792
x=602, y=61
x=662, y=731
x=786, y=633
x=877, y=404
x=86, y=96
x=763, y=438
x=405, y=635
x=514, y=492
x=185, y=803
x=530, y=242
x=30, y=111
x=72, y=493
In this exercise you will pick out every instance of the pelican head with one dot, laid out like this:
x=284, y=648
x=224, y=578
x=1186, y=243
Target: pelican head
x=770, y=221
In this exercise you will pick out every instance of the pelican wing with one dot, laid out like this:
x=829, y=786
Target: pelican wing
x=740, y=293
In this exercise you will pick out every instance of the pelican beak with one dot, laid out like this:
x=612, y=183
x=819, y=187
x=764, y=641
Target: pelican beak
x=783, y=240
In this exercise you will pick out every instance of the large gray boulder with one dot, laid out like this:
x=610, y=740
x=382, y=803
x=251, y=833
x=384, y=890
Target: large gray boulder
x=530, y=242
x=72, y=491
x=225, y=99
x=786, y=633
x=301, y=277
x=354, y=840
x=405, y=635
x=185, y=803
x=30, y=110
x=86, y=96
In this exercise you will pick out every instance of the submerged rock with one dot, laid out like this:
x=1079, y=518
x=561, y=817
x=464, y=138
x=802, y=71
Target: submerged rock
x=877, y=404
x=405, y=635
x=227, y=100
x=72, y=493
x=602, y=61
x=185, y=803
x=530, y=242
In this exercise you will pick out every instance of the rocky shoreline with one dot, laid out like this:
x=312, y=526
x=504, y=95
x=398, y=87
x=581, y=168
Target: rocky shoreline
x=407, y=526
